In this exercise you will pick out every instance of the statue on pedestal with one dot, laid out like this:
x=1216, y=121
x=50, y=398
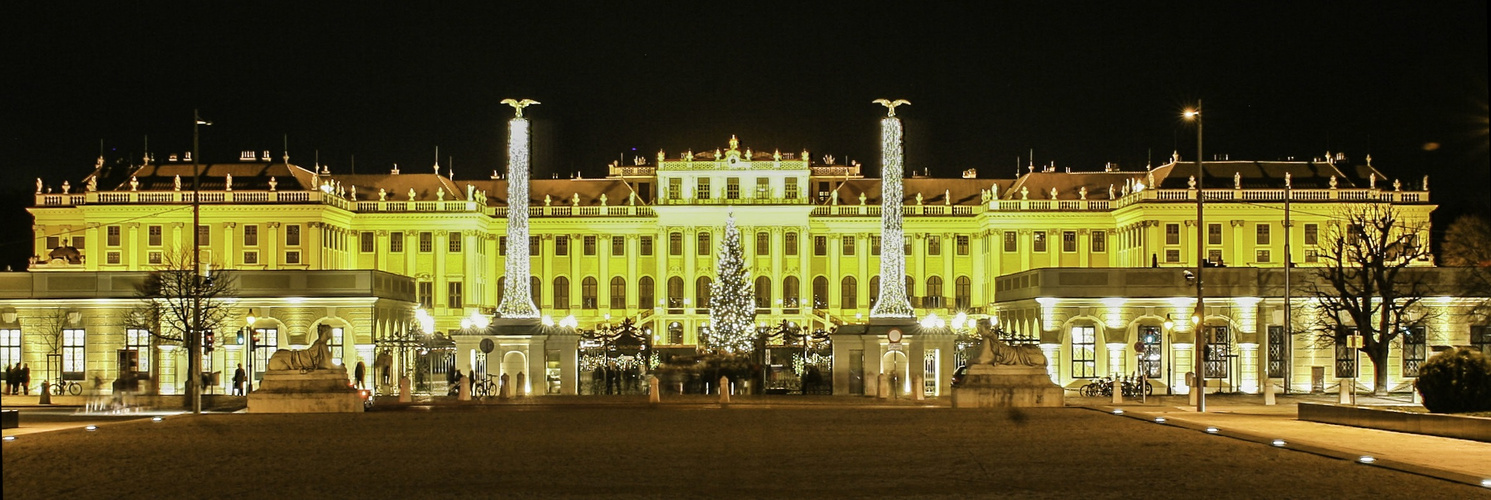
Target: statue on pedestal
x=315, y=357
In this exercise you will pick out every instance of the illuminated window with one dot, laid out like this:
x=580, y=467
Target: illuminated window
x=1039, y=241
x=266, y=341
x=155, y=236
x=646, y=298
x=74, y=360
x=426, y=242
x=454, y=242
x=934, y=293
x=1011, y=242
x=1215, y=256
x=292, y=257
x=454, y=296
x=675, y=188
x=702, y=292
x=1480, y=338
x=763, y=187
x=874, y=245
x=874, y=291
x=10, y=346
x=1415, y=350
x=588, y=290
x=704, y=243
x=137, y=340
x=535, y=246
x=1172, y=234
x=1084, y=352
x=820, y=246
x=732, y=188
x=849, y=293
x=963, y=293
x=155, y=258
x=561, y=293
x=962, y=243
x=1152, y=354
x=618, y=292
x=675, y=292
x=763, y=292
x=701, y=188
x=820, y=293
x=847, y=243
x=396, y=242
x=790, y=292
x=790, y=188
x=1263, y=256
x=250, y=258
x=426, y=294
x=1068, y=241
x=934, y=245
x=1099, y=241
x=535, y=290
x=251, y=235
x=335, y=344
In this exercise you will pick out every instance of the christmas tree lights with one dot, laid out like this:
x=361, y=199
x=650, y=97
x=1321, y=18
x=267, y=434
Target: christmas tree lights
x=517, y=302
x=893, y=302
x=732, y=310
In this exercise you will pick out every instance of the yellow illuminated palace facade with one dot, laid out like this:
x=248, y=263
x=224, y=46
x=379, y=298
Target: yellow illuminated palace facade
x=1088, y=264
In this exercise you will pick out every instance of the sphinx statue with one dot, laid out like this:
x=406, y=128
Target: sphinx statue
x=315, y=357
x=996, y=352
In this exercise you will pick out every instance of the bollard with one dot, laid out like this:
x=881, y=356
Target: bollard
x=520, y=389
x=46, y=393
x=405, y=387
x=872, y=383
x=918, y=393
x=463, y=391
x=1346, y=391
x=652, y=390
x=724, y=389
x=1418, y=399
x=883, y=381
x=1268, y=393
x=505, y=389
x=1117, y=392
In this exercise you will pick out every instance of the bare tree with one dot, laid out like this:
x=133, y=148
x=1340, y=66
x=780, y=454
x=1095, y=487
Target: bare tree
x=1367, y=285
x=1467, y=242
x=173, y=297
x=51, y=325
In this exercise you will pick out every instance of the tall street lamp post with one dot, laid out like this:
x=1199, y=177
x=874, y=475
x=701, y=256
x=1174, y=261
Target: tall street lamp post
x=194, y=335
x=1200, y=317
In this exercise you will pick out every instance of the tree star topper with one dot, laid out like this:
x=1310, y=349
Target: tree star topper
x=890, y=106
x=519, y=104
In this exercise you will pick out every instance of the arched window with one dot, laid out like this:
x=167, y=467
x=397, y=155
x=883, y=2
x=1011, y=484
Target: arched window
x=874, y=290
x=820, y=293
x=535, y=288
x=849, y=293
x=701, y=292
x=963, y=293
x=910, y=286
x=561, y=293
x=934, y=292
x=588, y=293
x=501, y=288
x=645, y=293
x=763, y=292
x=789, y=292
x=618, y=292
x=675, y=292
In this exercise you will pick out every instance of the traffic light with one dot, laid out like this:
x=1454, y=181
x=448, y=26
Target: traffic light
x=208, y=338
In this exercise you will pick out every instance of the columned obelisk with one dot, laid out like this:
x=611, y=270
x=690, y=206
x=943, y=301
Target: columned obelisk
x=517, y=301
x=893, y=302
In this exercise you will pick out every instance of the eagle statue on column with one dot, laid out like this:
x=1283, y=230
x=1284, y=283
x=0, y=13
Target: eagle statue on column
x=519, y=104
x=890, y=106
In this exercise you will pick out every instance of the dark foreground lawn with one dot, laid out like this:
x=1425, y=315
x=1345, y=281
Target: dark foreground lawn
x=642, y=452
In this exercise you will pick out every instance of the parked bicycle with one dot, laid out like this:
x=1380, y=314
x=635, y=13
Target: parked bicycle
x=66, y=387
x=484, y=387
x=1130, y=386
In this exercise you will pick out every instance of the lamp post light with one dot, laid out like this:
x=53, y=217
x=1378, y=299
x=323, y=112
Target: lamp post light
x=249, y=354
x=1201, y=230
x=194, y=338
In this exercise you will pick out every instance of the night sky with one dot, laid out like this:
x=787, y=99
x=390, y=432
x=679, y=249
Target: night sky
x=1080, y=87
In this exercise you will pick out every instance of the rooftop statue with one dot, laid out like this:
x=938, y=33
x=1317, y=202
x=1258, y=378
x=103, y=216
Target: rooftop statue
x=518, y=105
x=890, y=106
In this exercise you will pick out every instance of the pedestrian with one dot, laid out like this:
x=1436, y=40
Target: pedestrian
x=239, y=377
x=10, y=380
x=26, y=379
x=358, y=374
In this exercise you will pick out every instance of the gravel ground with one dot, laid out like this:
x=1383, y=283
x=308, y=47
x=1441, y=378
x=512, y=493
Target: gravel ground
x=672, y=452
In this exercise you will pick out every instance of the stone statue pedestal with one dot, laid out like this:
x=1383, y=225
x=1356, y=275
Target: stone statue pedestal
x=316, y=391
x=1007, y=386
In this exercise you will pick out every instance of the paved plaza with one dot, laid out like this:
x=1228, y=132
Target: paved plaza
x=782, y=447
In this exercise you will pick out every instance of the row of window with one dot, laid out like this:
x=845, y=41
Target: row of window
x=1262, y=234
x=848, y=292
x=703, y=191
x=154, y=233
x=848, y=245
x=74, y=353
x=1038, y=242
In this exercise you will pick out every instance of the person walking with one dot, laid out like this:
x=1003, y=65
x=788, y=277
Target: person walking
x=10, y=380
x=26, y=379
x=239, y=377
x=358, y=373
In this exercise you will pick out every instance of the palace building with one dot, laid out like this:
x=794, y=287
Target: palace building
x=1090, y=265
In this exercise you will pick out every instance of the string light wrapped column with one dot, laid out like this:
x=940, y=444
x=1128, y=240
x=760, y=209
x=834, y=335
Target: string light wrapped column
x=893, y=302
x=517, y=301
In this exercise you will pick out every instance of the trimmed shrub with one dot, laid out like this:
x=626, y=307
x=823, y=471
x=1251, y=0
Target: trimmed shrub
x=1456, y=381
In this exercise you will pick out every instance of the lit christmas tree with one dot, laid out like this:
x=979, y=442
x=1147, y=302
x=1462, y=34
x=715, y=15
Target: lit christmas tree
x=732, y=311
